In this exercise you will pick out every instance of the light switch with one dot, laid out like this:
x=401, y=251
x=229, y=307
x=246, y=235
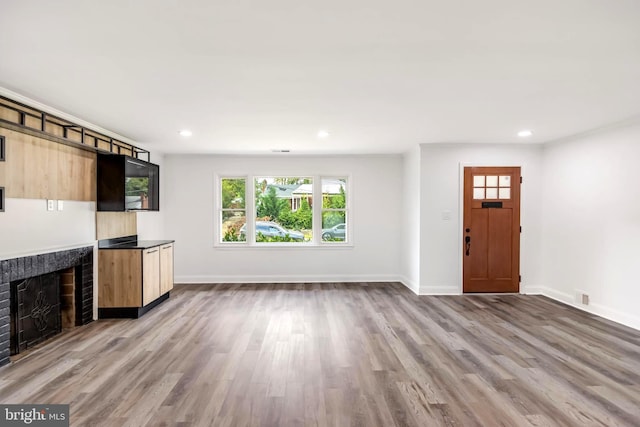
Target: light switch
x=50, y=205
x=446, y=215
x=60, y=205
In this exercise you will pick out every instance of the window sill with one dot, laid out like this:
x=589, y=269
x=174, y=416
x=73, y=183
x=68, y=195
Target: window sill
x=286, y=246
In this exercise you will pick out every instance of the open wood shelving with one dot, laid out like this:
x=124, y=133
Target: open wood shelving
x=17, y=116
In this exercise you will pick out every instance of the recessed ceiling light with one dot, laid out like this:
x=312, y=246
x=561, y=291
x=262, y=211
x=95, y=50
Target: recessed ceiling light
x=185, y=132
x=525, y=133
x=323, y=134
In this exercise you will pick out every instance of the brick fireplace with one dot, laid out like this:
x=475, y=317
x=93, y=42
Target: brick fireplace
x=74, y=269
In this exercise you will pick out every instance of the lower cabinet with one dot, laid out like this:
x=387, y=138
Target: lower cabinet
x=132, y=281
x=150, y=275
x=166, y=268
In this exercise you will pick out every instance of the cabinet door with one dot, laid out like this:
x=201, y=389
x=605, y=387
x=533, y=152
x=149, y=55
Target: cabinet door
x=150, y=275
x=63, y=172
x=166, y=268
x=119, y=278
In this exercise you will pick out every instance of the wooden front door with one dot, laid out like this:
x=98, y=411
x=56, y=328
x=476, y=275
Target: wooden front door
x=491, y=234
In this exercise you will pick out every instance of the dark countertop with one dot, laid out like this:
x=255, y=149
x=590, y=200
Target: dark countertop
x=131, y=242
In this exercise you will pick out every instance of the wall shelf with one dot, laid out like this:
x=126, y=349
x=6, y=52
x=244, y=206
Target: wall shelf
x=17, y=116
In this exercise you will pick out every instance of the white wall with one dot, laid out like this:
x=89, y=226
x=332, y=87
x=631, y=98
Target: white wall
x=151, y=224
x=27, y=228
x=376, y=185
x=591, y=222
x=410, y=241
x=440, y=197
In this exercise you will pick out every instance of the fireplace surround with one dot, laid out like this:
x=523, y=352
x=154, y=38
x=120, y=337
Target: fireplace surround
x=80, y=260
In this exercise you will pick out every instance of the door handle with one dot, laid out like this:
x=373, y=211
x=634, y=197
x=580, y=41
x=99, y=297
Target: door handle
x=467, y=241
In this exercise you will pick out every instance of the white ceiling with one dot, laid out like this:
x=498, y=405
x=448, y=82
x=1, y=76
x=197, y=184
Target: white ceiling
x=249, y=76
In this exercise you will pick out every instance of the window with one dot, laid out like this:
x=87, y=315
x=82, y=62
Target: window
x=284, y=209
x=233, y=212
x=281, y=210
x=491, y=187
x=334, y=210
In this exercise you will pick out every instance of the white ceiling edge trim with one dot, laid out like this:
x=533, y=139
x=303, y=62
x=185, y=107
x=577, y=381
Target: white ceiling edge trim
x=609, y=127
x=260, y=156
x=61, y=114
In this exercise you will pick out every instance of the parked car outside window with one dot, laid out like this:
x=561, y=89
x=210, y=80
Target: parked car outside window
x=271, y=229
x=337, y=232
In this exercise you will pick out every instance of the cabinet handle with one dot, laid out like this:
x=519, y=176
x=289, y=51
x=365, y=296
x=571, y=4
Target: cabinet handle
x=166, y=247
x=150, y=252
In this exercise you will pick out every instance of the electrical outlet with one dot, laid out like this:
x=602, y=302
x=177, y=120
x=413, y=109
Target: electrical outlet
x=60, y=205
x=50, y=205
x=582, y=297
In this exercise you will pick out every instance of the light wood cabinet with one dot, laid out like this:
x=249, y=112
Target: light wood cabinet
x=111, y=225
x=120, y=278
x=36, y=168
x=166, y=268
x=132, y=281
x=150, y=275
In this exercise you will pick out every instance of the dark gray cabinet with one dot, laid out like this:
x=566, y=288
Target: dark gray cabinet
x=127, y=184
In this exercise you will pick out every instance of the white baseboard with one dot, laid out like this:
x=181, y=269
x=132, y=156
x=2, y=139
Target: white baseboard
x=558, y=296
x=609, y=313
x=531, y=289
x=287, y=279
x=413, y=286
x=440, y=290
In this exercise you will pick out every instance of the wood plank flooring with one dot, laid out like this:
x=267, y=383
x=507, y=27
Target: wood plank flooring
x=357, y=354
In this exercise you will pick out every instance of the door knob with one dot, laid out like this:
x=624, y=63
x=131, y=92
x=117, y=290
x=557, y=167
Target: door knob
x=467, y=241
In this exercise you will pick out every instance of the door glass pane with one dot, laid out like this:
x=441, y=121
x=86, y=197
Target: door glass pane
x=492, y=181
x=505, y=181
x=478, y=181
x=492, y=193
x=505, y=193
x=478, y=193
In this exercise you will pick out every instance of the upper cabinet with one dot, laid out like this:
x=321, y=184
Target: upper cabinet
x=127, y=184
x=37, y=168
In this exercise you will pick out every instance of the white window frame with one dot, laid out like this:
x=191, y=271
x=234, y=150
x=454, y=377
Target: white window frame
x=347, y=203
x=219, y=209
x=250, y=212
